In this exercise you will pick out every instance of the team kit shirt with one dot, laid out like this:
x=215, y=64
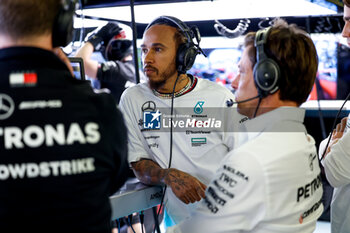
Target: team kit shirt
x=336, y=165
x=270, y=184
x=203, y=129
x=63, y=147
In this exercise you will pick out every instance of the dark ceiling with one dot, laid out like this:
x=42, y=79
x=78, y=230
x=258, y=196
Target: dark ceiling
x=312, y=24
x=109, y=3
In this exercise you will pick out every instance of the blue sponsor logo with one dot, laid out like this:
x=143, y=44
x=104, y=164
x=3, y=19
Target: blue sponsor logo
x=152, y=120
x=198, y=109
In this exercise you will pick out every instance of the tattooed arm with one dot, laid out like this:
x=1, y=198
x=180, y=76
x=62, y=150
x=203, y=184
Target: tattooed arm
x=186, y=187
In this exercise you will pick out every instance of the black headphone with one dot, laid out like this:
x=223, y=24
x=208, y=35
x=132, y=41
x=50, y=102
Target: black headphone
x=266, y=70
x=62, y=32
x=187, y=52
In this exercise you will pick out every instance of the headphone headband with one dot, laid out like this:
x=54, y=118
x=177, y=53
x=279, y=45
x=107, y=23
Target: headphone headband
x=266, y=70
x=260, y=40
x=176, y=22
x=186, y=53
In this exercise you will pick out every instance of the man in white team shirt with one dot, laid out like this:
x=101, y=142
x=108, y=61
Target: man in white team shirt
x=270, y=184
x=336, y=160
x=201, y=135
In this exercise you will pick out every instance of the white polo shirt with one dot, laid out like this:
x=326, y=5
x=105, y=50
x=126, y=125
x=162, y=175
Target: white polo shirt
x=270, y=184
x=196, y=150
x=337, y=168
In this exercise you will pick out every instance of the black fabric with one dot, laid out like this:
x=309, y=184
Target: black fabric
x=149, y=221
x=113, y=75
x=62, y=150
x=326, y=196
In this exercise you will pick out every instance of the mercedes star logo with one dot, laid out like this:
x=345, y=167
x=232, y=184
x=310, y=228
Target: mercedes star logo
x=149, y=106
x=7, y=106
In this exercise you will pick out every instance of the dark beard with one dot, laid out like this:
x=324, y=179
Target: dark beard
x=156, y=85
x=169, y=71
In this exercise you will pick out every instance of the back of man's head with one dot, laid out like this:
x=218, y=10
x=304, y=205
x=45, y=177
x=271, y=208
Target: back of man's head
x=27, y=18
x=295, y=53
x=297, y=56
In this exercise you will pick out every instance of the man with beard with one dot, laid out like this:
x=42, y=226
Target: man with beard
x=176, y=122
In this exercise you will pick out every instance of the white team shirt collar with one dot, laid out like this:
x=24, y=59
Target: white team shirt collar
x=267, y=121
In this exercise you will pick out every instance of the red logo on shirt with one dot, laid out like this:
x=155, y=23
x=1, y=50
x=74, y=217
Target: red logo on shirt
x=20, y=79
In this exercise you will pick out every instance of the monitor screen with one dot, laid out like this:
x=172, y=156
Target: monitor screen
x=223, y=55
x=78, y=67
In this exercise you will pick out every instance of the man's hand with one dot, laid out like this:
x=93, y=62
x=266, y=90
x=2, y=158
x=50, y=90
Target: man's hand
x=104, y=34
x=337, y=134
x=186, y=187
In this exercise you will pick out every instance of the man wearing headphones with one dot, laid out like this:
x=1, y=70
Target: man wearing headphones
x=336, y=159
x=177, y=124
x=272, y=182
x=63, y=148
x=115, y=44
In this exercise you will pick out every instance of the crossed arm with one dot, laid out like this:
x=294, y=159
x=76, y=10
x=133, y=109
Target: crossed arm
x=186, y=187
x=337, y=159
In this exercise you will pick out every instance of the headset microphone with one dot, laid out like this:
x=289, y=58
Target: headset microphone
x=230, y=102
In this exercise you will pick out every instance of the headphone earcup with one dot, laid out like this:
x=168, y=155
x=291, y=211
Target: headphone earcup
x=62, y=32
x=186, y=56
x=266, y=75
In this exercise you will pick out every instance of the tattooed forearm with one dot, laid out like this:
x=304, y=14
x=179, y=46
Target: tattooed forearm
x=176, y=177
x=148, y=171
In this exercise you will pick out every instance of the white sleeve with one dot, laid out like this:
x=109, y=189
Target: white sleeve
x=235, y=199
x=337, y=162
x=137, y=148
x=322, y=148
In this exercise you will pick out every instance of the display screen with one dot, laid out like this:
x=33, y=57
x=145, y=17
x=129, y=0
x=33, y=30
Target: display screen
x=78, y=67
x=220, y=65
